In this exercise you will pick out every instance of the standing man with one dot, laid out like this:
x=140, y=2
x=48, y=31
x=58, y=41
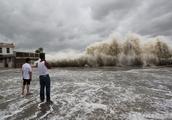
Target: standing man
x=45, y=82
x=27, y=76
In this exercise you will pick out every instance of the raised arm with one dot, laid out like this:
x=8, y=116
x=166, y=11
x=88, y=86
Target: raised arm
x=30, y=73
x=47, y=65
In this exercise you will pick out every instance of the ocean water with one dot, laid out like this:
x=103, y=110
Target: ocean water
x=116, y=50
x=106, y=93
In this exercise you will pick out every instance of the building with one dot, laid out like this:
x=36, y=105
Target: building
x=20, y=58
x=6, y=54
x=11, y=58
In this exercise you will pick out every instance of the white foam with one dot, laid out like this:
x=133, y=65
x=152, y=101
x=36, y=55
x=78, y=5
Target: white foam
x=131, y=50
x=47, y=112
x=145, y=116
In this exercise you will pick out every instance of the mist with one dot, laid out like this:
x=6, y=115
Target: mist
x=117, y=50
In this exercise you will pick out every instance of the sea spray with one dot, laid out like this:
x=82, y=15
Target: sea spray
x=132, y=50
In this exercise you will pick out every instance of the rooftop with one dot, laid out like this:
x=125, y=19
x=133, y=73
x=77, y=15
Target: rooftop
x=7, y=45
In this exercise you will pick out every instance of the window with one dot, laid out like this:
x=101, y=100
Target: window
x=0, y=50
x=1, y=60
x=8, y=50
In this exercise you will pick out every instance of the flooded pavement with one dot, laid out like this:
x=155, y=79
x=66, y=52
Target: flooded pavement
x=91, y=94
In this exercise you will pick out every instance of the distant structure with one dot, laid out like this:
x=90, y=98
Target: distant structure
x=14, y=59
x=6, y=55
x=19, y=58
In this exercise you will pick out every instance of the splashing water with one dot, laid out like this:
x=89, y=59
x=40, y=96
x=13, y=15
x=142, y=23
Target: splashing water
x=107, y=93
x=131, y=50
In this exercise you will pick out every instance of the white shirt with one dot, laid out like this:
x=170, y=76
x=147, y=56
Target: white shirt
x=42, y=69
x=26, y=69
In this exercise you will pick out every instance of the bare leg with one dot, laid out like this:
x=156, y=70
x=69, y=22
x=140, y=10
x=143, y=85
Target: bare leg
x=28, y=89
x=23, y=89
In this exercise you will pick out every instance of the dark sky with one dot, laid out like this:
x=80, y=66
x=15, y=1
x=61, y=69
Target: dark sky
x=58, y=25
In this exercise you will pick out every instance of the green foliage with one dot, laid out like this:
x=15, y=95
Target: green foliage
x=39, y=50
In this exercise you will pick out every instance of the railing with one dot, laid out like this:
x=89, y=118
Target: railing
x=25, y=55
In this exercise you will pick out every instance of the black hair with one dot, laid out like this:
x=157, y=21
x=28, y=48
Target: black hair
x=42, y=56
x=27, y=60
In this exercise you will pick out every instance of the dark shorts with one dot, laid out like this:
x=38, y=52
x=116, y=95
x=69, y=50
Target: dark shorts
x=26, y=81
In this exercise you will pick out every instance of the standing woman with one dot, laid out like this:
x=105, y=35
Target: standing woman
x=45, y=82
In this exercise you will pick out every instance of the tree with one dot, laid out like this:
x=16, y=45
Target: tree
x=39, y=50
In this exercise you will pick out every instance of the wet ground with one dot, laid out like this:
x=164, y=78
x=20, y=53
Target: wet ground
x=91, y=94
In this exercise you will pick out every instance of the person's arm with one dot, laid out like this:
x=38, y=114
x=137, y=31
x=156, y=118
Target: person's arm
x=30, y=73
x=47, y=65
x=22, y=71
x=36, y=63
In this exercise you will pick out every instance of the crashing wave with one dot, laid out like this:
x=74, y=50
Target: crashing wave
x=133, y=50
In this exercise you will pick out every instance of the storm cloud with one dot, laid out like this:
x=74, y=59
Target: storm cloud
x=57, y=25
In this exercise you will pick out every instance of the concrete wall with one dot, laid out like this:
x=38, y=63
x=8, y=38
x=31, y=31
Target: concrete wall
x=7, y=62
x=10, y=65
x=4, y=51
x=2, y=62
x=1, y=65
